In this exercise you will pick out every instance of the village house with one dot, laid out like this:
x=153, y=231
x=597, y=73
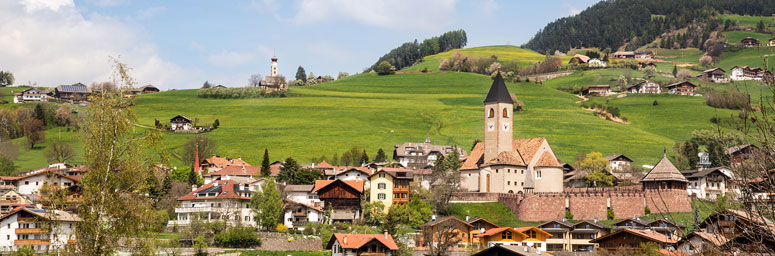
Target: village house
x=647, y=54
x=215, y=163
x=667, y=227
x=750, y=41
x=30, y=95
x=681, y=88
x=302, y=194
x=509, y=250
x=629, y=224
x=597, y=90
x=747, y=231
x=75, y=92
x=181, y=123
x=38, y=229
x=342, y=197
x=225, y=200
x=596, y=63
x=618, y=162
x=437, y=229
x=624, y=55
x=738, y=154
x=417, y=155
x=741, y=73
x=645, y=87
x=502, y=236
x=298, y=214
x=715, y=75
x=32, y=183
x=362, y=244
x=702, y=243
x=579, y=59
x=353, y=173
x=11, y=199
x=561, y=237
x=502, y=164
x=274, y=81
x=479, y=226
x=710, y=183
x=629, y=241
x=391, y=186
x=772, y=42
x=323, y=167
x=239, y=173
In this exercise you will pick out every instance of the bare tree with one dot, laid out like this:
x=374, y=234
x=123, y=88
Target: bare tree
x=34, y=130
x=205, y=145
x=254, y=80
x=59, y=152
x=441, y=237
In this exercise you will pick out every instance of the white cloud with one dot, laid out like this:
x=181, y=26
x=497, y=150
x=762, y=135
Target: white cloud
x=230, y=58
x=107, y=3
x=52, y=43
x=149, y=12
x=396, y=14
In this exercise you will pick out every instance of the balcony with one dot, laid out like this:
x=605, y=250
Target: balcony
x=371, y=254
x=197, y=209
x=27, y=220
x=32, y=242
x=30, y=230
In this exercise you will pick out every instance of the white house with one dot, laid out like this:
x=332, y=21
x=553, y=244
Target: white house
x=302, y=194
x=618, y=162
x=354, y=173
x=226, y=200
x=361, y=244
x=597, y=63
x=645, y=87
x=697, y=243
x=30, y=95
x=36, y=228
x=710, y=183
x=297, y=214
x=32, y=183
x=181, y=123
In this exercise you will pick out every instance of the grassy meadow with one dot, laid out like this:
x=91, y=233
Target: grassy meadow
x=748, y=21
x=505, y=53
x=734, y=37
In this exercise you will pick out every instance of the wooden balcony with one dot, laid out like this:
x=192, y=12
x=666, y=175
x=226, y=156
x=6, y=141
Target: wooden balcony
x=400, y=200
x=30, y=230
x=32, y=242
x=27, y=220
x=400, y=189
x=372, y=254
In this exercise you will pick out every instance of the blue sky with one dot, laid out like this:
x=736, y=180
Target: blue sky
x=180, y=44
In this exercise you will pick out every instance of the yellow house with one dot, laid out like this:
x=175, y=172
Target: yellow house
x=500, y=236
x=535, y=237
x=390, y=186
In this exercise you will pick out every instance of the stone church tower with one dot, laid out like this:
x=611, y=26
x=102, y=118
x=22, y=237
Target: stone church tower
x=274, y=66
x=498, y=120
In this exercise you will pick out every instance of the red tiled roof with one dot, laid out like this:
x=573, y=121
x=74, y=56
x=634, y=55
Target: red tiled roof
x=356, y=241
x=548, y=160
x=226, y=191
x=324, y=165
x=51, y=171
x=647, y=234
x=524, y=152
x=236, y=170
x=356, y=184
x=221, y=162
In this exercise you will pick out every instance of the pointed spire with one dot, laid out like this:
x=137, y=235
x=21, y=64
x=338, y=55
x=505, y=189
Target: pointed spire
x=427, y=139
x=196, y=159
x=498, y=91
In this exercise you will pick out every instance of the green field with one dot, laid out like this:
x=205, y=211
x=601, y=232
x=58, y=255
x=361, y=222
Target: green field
x=734, y=37
x=749, y=21
x=505, y=53
x=751, y=56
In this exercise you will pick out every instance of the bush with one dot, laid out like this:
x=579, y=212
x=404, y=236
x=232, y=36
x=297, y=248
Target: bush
x=647, y=210
x=424, y=70
x=237, y=237
x=237, y=93
x=610, y=214
x=568, y=214
x=730, y=99
x=714, y=120
x=655, y=103
x=281, y=228
x=385, y=68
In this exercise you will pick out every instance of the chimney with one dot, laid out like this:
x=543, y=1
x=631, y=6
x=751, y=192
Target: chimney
x=193, y=187
x=467, y=218
x=433, y=217
x=386, y=234
x=595, y=220
x=344, y=240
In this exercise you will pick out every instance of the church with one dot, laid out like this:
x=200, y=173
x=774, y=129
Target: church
x=502, y=164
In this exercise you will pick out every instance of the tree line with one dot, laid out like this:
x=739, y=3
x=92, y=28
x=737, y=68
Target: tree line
x=410, y=52
x=612, y=24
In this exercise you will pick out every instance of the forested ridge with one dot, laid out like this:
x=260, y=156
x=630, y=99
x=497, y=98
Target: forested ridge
x=410, y=52
x=615, y=23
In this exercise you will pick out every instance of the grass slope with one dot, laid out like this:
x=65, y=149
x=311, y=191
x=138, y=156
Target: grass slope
x=734, y=37
x=750, y=21
x=505, y=53
x=751, y=56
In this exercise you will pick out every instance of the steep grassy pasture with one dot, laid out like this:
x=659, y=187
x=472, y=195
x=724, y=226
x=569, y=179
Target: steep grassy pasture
x=751, y=57
x=505, y=53
x=749, y=21
x=734, y=37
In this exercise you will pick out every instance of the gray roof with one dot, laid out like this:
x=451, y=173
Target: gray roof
x=615, y=156
x=512, y=250
x=73, y=88
x=299, y=188
x=498, y=91
x=703, y=173
x=664, y=171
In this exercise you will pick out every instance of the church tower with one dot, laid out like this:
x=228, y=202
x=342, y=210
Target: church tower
x=274, y=66
x=498, y=120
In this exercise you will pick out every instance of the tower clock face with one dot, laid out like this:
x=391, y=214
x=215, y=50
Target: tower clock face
x=491, y=126
x=505, y=127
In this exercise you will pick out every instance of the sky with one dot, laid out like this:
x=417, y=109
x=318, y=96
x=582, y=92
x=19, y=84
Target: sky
x=179, y=44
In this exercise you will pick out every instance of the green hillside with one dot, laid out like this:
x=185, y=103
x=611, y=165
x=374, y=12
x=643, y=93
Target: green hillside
x=734, y=37
x=505, y=53
x=748, y=21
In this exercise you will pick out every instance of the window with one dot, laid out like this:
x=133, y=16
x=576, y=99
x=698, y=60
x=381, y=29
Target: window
x=505, y=113
x=531, y=233
x=26, y=182
x=381, y=186
x=538, y=174
x=522, y=172
x=506, y=235
x=508, y=183
x=381, y=196
x=492, y=113
x=382, y=175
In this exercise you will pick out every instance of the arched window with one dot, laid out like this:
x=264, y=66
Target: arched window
x=492, y=113
x=505, y=112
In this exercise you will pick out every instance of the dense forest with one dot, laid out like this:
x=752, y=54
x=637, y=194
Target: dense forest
x=615, y=23
x=406, y=54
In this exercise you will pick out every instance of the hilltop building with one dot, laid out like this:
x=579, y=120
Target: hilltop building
x=274, y=81
x=30, y=95
x=422, y=155
x=502, y=164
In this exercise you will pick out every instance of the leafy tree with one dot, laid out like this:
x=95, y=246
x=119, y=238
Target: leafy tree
x=6, y=78
x=267, y=205
x=7, y=167
x=686, y=155
x=254, y=80
x=374, y=213
x=445, y=172
x=568, y=214
x=206, y=85
x=381, y=157
x=292, y=173
x=649, y=73
x=265, y=168
x=610, y=214
x=649, y=249
x=34, y=130
x=180, y=174
x=237, y=237
x=596, y=169
x=301, y=74
x=59, y=152
x=419, y=211
x=385, y=68
x=342, y=75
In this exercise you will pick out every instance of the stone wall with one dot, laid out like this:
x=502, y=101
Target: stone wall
x=474, y=197
x=668, y=200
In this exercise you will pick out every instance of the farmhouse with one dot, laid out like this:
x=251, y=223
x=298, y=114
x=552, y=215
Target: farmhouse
x=297, y=214
x=181, y=123
x=772, y=42
x=274, y=81
x=435, y=230
x=417, y=155
x=75, y=92
x=361, y=244
x=12, y=199
x=302, y=194
x=630, y=241
x=37, y=228
x=343, y=198
x=624, y=55
x=502, y=164
x=502, y=235
x=715, y=75
x=648, y=54
x=579, y=59
x=746, y=73
x=645, y=87
x=748, y=231
x=618, y=162
x=392, y=186
x=597, y=90
x=738, y=154
x=750, y=41
x=702, y=243
x=710, y=183
x=30, y=95
x=666, y=227
x=681, y=88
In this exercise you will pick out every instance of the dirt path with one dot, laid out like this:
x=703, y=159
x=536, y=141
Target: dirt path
x=583, y=99
x=605, y=115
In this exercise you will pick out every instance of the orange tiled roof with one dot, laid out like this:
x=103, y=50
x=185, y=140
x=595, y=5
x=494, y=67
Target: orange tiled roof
x=356, y=184
x=324, y=165
x=225, y=189
x=236, y=170
x=356, y=241
x=222, y=162
x=524, y=152
x=548, y=160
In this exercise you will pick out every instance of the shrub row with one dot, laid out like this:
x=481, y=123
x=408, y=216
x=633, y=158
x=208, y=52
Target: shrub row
x=238, y=93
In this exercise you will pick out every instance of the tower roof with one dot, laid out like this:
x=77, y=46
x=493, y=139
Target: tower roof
x=498, y=91
x=664, y=171
x=274, y=58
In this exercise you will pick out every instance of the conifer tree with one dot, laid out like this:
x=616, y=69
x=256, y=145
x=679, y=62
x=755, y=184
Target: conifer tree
x=381, y=157
x=265, y=168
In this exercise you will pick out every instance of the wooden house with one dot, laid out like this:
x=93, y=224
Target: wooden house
x=597, y=90
x=535, y=237
x=362, y=244
x=579, y=59
x=509, y=250
x=629, y=241
x=436, y=230
x=747, y=231
x=738, y=154
x=666, y=227
x=342, y=197
x=501, y=236
x=629, y=224
x=181, y=123
x=148, y=89
x=702, y=243
x=647, y=54
x=624, y=55
x=715, y=75
x=681, y=88
x=750, y=41
x=480, y=225
x=73, y=92
x=645, y=87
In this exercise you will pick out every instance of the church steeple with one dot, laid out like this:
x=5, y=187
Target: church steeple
x=498, y=120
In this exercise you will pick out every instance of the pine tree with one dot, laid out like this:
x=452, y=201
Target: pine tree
x=265, y=168
x=675, y=70
x=364, y=157
x=301, y=74
x=192, y=178
x=381, y=157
